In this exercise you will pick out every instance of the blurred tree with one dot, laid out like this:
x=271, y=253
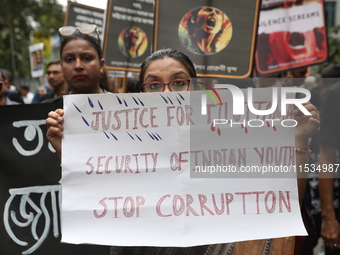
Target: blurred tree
x=18, y=21
x=333, y=43
x=333, y=37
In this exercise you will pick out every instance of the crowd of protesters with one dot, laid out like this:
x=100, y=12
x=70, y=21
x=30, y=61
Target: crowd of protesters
x=320, y=205
x=323, y=87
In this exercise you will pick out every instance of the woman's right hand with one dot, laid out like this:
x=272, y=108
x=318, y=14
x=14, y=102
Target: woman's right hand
x=54, y=124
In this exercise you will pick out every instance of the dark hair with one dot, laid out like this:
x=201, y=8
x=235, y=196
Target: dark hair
x=90, y=39
x=127, y=39
x=332, y=71
x=95, y=44
x=132, y=86
x=170, y=53
x=7, y=75
x=53, y=62
x=25, y=87
x=317, y=96
x=196, y=33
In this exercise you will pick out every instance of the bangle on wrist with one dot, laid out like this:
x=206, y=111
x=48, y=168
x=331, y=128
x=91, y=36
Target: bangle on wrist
x=303, y=151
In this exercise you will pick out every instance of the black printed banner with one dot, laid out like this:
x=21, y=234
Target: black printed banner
x=219, y=36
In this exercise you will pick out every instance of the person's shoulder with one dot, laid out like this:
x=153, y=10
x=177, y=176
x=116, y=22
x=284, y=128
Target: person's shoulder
x=10, y=102
x=48, y=95
x=332, y=94
x=30, y=95
x=335, y=88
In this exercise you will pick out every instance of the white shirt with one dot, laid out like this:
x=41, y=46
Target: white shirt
x=28, y=98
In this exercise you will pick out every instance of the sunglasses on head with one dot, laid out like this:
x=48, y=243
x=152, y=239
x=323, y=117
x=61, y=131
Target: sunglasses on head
x=84, y=29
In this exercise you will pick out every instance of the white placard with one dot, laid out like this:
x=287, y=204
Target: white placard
x=128, y=171
x=37, y=59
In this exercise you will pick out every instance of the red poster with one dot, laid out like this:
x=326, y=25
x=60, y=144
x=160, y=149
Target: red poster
x=291, y=34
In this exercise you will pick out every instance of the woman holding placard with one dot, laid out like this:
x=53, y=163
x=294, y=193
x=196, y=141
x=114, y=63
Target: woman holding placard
x=82, y=65
x=164, y=71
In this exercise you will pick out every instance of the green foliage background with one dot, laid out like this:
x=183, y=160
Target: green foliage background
x=19, y=19
x=333, y=37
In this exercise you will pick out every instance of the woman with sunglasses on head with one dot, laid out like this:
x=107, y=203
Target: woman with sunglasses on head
x=81, y=59
x=82, y=65
x=154, y=72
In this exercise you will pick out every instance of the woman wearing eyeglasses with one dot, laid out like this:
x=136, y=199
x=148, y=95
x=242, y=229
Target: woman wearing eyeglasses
x=166, y=70
x=170, y=70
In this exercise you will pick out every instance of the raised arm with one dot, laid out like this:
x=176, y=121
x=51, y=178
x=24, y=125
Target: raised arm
x=307, y=125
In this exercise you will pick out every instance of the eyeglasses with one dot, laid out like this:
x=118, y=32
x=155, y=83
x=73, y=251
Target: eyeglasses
x=84, y=29
x=175, y=85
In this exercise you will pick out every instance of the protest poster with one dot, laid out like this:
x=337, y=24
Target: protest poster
x=30, y=194
x=79, y=14
x=37, y=59
x=219, y=36
x=290, y=35
x=128, y=34
x=142, y=170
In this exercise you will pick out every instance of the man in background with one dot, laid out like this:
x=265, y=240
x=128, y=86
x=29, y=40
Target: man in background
x=11, y=91
x=26, y=94
x=4, y=100
x=56, y=80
